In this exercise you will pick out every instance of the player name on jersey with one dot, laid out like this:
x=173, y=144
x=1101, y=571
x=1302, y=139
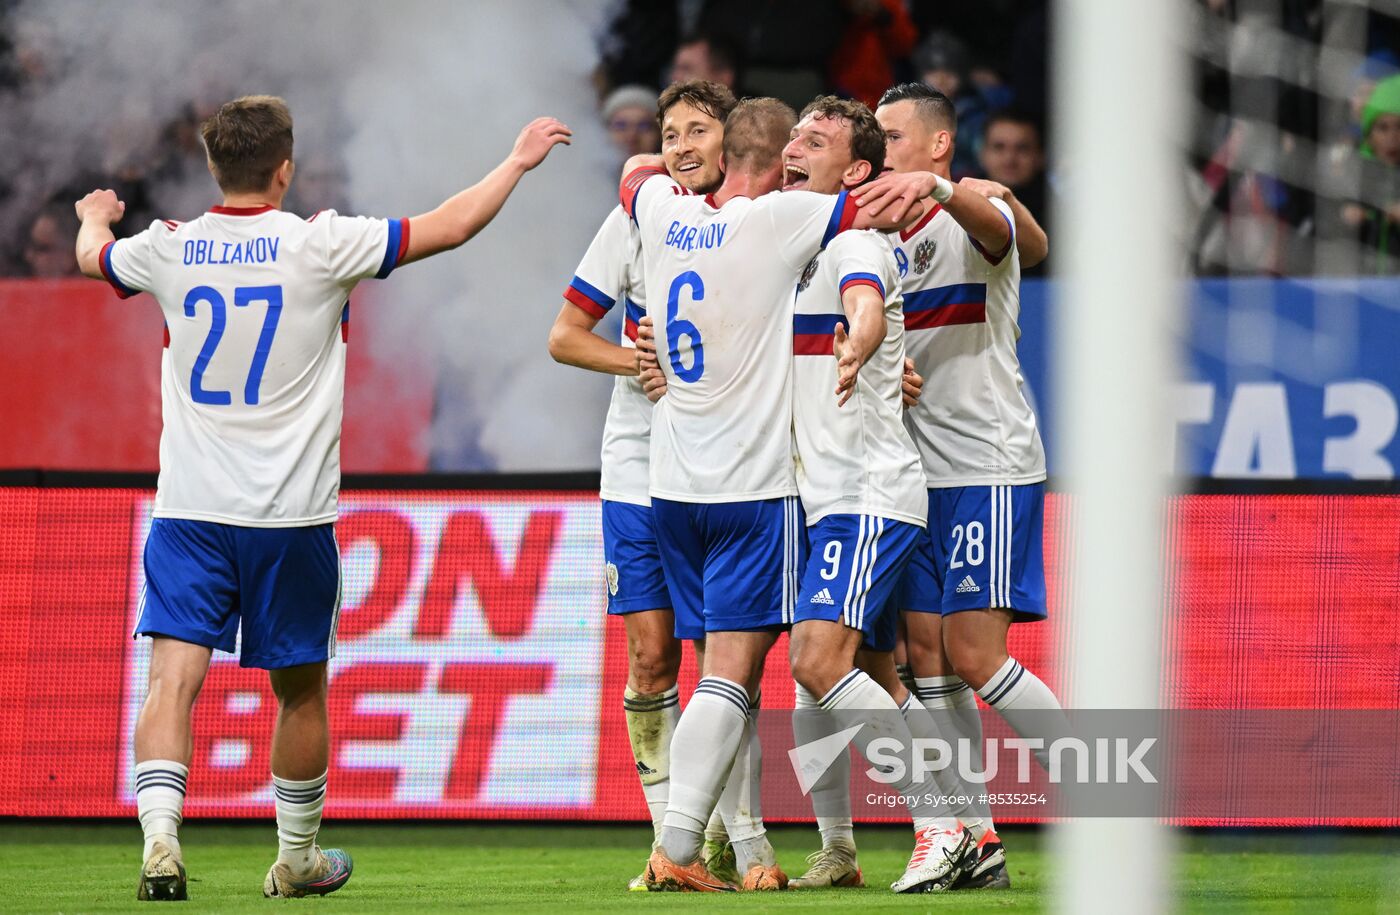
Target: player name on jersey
x=260, y=250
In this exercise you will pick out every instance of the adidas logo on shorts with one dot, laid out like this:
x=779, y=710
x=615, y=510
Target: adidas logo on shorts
x=823, y=597
x=967, y=585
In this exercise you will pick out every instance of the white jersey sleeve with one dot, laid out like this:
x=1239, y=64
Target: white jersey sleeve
x=359, y=247
x=805, y=222
x=996, y=258
x=126, y=262
x=601, y=278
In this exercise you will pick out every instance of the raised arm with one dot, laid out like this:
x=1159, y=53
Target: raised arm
x=1032, y=244
x=463, y=215
x=97, y=211
x=573, y=342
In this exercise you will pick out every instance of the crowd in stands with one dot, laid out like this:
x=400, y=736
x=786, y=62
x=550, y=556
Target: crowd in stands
x=1294, y=141
x=989, y=57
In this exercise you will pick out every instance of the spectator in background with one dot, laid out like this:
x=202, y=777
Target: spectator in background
x=48, y=249
x=629, y=113
x=942, y=62
x=877, y=33
x=705, y=57
x=1012, y=155
x=1374, y=216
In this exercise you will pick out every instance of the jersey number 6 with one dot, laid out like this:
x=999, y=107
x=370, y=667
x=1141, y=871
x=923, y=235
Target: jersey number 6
x=677, y=327
x=243, y=295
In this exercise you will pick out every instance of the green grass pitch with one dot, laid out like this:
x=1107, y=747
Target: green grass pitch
x=567, y=869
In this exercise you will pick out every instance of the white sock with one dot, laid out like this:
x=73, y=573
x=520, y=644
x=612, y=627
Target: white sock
x=850, y=702
x=299, y=806
x=923, y=725
x=707, y=738
x=715, y=830
x=953, y=705
x=651, y=721
x=1027, y=704
x=831, y=795
x=740, y=803
x=160, y=802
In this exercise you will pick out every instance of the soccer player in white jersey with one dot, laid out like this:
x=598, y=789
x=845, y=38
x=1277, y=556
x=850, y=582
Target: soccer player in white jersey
x=980, y=567
x=862, y=487
x=252, y=382
x=691, y=117
x=722, y=481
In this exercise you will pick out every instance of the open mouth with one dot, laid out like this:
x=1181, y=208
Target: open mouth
x=686, y=168
x=794, y=176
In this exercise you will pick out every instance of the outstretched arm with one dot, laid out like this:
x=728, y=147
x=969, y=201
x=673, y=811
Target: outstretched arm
x=97, y=211
x=1032, y=244
x=896, y=195
x=460, y=217
x=573, y=342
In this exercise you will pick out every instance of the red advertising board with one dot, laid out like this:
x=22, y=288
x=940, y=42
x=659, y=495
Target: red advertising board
x=477, y=675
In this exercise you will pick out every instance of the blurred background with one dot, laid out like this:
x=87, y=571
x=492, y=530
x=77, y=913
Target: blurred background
x=469, y=529
x=1291, y=218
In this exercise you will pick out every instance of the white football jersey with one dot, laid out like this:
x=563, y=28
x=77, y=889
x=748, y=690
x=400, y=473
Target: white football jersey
x=611, y=274
x=252, y=381
x=857, y=458
x=721, y=283
x=972, y=426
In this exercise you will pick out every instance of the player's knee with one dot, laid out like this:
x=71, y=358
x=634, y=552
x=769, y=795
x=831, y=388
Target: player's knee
x=653, y=668
x=927, y=659
x=974, y=663
x=814, y=669
x=177, y=685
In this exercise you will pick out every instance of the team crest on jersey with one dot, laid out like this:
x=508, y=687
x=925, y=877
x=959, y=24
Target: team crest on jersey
x=611, y=571
x=807, y=273
x=923, y=255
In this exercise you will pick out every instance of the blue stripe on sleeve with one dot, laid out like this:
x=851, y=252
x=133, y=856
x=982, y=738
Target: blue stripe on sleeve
x=391, y=249
x=833, y=225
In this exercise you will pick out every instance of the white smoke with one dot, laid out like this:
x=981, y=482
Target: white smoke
x=423, y=98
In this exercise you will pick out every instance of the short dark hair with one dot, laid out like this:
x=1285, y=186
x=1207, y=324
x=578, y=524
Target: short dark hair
x=714, y=99
x=756, y=132
x=867, y=137
x=247, y=140
x=1013, y=116
x=934, y=107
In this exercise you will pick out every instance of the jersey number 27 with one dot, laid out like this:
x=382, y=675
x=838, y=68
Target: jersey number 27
x=243, y=295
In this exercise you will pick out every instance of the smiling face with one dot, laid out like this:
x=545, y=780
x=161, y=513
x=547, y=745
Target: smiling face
x=692, y=143
x=819, y=156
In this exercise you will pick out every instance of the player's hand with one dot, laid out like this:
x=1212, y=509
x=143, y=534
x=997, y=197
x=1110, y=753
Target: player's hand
x=653, y=382
x=102, y=205
x=896, y=192
x=913, y=384
x=646, y=346
x=847, y=366
x=987, y=188
x=537, y=139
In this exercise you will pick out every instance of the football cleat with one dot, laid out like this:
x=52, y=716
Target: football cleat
x=638, y=884
x=940, y=857
x=834, y=865
x=665, y=875
x=764, y=878
x=332, y=871
x=721, y=861
x=988, y=872
x=162, y=876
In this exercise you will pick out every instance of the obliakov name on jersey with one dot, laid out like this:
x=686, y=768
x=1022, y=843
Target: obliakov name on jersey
x=260, y=250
